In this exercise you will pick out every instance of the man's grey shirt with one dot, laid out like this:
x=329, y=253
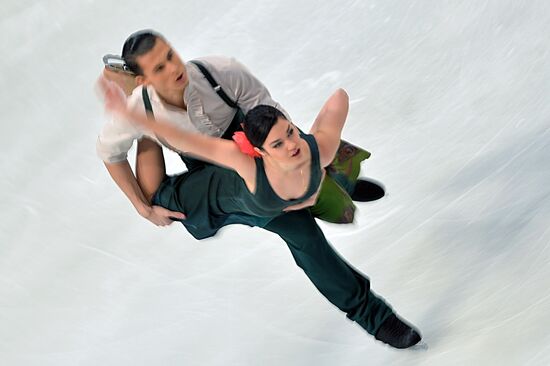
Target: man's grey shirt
x=206, y=112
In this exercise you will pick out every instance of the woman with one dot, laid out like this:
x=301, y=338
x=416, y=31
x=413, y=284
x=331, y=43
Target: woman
x=284, y=176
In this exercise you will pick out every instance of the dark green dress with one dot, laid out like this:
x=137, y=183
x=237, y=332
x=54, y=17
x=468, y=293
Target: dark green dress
x=213, y=197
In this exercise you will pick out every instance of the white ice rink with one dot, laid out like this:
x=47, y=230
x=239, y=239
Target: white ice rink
x=451, y=97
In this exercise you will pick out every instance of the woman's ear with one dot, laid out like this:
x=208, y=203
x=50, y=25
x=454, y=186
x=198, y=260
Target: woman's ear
x=260, y=151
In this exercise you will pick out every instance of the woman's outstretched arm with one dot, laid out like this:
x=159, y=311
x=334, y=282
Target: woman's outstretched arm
x=219, y=151
x=328, y=125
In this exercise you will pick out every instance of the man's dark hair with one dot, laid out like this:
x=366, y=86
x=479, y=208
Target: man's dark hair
x=138, y=44
x=259, y=121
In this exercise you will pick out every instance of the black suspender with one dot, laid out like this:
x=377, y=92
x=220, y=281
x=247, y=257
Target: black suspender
x=235, y=124
x=149, y=111
x=147, y=101
x=207, y=75
x=215, y=84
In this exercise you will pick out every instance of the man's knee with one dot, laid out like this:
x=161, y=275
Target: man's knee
x=347, y=215
x=333, y=204
x=146, y=145
x=337, y=210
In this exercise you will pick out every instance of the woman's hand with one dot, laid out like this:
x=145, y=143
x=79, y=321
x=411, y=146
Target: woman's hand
x=115, y=103
x=114, y=97
x=125, y=81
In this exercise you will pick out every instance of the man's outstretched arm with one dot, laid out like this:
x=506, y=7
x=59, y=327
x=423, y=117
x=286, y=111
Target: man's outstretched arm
x=121, y=172
x=123, y=176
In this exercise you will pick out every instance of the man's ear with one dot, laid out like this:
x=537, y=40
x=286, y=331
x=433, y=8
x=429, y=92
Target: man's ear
x=141, y=80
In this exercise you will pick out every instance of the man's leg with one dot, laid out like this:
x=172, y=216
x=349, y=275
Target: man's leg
x=334, y=278
x=333, y=203
x=341, y=186
x=345, y=169
x=150, y=168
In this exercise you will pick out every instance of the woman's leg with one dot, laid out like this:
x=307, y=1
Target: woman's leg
x=150, y=168
x=342, y=285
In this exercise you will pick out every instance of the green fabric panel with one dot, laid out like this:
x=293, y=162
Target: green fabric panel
x=333, y=203
x=346, y=165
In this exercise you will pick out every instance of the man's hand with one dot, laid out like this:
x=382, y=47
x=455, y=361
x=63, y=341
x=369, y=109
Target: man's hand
x=160, y=216
x=126, y=81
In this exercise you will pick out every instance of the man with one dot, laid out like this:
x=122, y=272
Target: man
x=189, y=96
x=196, y=106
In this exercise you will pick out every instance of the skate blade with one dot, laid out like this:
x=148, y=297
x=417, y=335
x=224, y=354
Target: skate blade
x=420, y=346
x=116, y=63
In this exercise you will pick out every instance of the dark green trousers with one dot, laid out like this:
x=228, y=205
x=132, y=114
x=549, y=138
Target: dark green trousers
x=342, y=285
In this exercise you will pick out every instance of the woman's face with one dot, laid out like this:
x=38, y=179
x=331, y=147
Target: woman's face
x=283, y=143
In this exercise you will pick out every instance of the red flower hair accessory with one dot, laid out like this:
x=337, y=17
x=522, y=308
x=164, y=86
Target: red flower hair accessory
x=244, y=145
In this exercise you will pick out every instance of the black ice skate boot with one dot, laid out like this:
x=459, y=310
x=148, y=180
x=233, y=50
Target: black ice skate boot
x=397, y=333
x=367, y=190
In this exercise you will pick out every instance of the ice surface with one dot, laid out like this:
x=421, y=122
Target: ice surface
x=451, y=98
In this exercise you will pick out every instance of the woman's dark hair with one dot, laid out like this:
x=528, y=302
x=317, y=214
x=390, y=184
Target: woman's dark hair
x=138, y=44
x=259, y=121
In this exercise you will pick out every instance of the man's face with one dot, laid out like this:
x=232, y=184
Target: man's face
x=284, y=144
x=163, y=69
